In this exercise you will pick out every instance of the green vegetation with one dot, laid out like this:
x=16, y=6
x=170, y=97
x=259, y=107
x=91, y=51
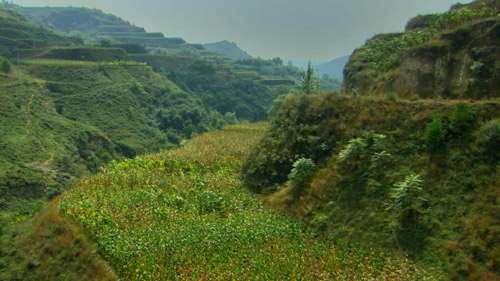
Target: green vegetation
x=435, y=134
x=183, y=215
x=5, y=65
x=309, y=83
x=378, y=188
x=17, y=33
x=245, y=88
x=300, y=176
x=423, y=61
x=377, y=184
x=488, y=139
x=384, y=52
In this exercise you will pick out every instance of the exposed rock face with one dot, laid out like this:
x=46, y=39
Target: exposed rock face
x=457, y=63
x=462, y=64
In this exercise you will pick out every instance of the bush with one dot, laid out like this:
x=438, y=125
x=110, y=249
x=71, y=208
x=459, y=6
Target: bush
x=435, y=134
x=300, y=176
x=488, y=138
x=210, y=202
x=461, y=119
x=4, y=65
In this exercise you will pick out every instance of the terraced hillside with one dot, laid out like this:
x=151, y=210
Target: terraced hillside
x=246, y=89
x=17, y=33
x=95, y=25
x=183, y=215
x=452, y=55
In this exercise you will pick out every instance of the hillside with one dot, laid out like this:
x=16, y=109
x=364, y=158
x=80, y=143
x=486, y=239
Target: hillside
x=62, y=119
x=195, y=221
x=68, y=108
x=419, y=176
x=451, y=55
x=228, y=49
x=95, y=25
x=333, y=68
x=17, y=33
x=244, y=88
x=407, y=159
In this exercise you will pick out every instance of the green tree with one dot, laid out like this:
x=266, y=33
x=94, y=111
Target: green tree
x=309, y=82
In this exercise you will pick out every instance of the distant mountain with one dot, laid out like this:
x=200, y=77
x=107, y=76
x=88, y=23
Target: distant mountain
x=228, y=49
x=333, y=68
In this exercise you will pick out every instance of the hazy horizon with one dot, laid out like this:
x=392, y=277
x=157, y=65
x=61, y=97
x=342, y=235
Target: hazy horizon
x=291, y=29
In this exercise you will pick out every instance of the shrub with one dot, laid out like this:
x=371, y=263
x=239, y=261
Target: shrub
x=210, y=202
x=488, y=138
x=435, y=134
x=461, y=119
x=300, y=176
x=4, y=65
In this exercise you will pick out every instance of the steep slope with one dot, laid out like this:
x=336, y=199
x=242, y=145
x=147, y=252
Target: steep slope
x=245, y=88
x=224, y=83
x=17, y=33
x=421, y=176
x=65, y=117
x=183, y=215
x=452, y=55
x=62, y=119
x=333, y=68
x=227, y=49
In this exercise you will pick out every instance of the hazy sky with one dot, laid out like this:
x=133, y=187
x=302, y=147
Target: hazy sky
x=292, y=29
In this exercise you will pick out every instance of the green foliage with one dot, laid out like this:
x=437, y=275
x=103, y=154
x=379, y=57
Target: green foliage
x=182, y=215
x=309, y=83
x=85, y=54
x=488, y=139
x=17, y=33
x=408, y=207
x=435, y=134
x=462, y=119
x=4, y=65
x=225, y=86
x=359, y=175
x=406, y=195
x=384, y=52
x=301, y=174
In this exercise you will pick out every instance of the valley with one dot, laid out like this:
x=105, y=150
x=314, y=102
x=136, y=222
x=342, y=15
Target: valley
x=127, y=154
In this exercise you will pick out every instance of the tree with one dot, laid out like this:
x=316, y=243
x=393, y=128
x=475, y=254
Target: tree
x=309, y=81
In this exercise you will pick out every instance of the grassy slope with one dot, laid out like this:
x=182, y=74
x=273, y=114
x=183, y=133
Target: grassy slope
x=183, y=215
x=63, y=119
x=349, y=199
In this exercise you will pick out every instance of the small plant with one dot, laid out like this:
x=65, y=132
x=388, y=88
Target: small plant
x=435, y=134
x=488, y=138
x=5, y=66
x=300, y=176
x=408, y=207
x=461, y=119
x=406, y=194
x=210, y=202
